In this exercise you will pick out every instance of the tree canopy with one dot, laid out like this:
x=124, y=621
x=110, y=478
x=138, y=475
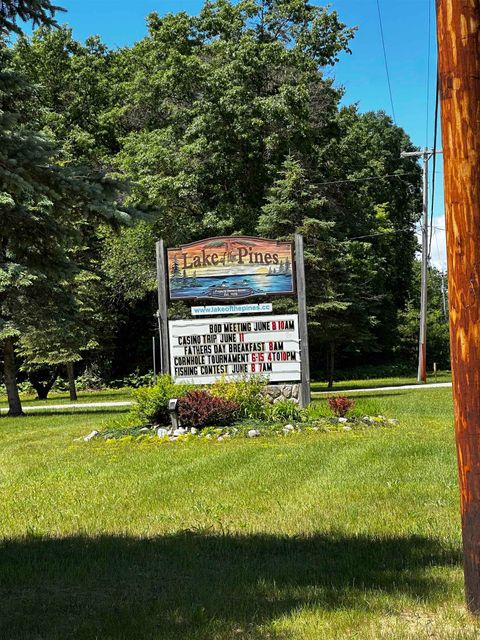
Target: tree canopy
x=221, y=123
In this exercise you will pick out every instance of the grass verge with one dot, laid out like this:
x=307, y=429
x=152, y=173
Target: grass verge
x=336, y=535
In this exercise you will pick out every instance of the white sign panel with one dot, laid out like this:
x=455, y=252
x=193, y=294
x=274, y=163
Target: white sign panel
x=219, y=309
x=202, y=351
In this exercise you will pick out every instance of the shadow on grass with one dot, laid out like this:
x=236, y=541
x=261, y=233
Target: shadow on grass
x=191, y=586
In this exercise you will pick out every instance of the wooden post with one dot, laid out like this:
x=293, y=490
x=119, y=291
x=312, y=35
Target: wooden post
x=162, y=307
x=154, y=359
x=305, y=394
x=458, y=33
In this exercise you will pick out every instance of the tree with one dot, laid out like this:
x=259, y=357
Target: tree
x=45, y=208
x=225, y=123
x=438, y=337
x=37, y=11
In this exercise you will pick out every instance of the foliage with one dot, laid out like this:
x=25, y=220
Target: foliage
x=199, y=408
x=228, y=122
x=285, y=410
x=248, y=393
x=36, y=11
x=340, y=405
x=152, y=402
x=438, y=335
x=41, y=198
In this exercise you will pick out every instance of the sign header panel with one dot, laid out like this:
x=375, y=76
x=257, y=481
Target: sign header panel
x=230, y=268
x=202, y=351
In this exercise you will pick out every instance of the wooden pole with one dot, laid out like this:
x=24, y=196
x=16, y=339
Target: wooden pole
x=458, y=34
x=305, y=394
x=422, y=342
x=162, y=307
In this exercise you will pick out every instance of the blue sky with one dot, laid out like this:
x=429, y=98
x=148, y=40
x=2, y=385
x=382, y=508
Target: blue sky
x=408, y=41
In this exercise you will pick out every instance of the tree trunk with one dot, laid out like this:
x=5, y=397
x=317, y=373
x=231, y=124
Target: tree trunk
x=42, y=388
x=10, y=371
x=331, y=365
x=71, y=381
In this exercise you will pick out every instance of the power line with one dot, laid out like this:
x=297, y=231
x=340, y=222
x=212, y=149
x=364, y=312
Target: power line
x=435, y=132
x=385, y=60
x=429, y=29
x=381, y=233
x=387, y=175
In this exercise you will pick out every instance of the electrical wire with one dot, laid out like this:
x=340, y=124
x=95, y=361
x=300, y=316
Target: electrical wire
x=429, y=29
x=385, y=60
x=387, y=175
x=435, y=132
x=380, y=233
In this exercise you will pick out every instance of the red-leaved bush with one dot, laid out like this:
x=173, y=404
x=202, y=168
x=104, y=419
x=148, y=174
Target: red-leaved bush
x=200, y=409
x=340, y=405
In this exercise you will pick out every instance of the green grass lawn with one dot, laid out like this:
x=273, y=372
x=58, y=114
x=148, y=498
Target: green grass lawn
x=319, y=537
x=372, y=383
x=62, y=397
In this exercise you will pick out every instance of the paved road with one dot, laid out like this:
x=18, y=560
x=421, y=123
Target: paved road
x=127, y=403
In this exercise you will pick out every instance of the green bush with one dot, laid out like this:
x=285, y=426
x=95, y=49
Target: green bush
x=285, y=410
x=152, y=402
x=248, y=393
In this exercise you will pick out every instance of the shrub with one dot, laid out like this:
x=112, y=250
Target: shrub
x=248, y=393
x=340, y=405
x=152, y=402
x=200, y=409
x=285, y=410
x=90, y=380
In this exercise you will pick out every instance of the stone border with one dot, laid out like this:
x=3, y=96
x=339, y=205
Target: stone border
x=280, y=392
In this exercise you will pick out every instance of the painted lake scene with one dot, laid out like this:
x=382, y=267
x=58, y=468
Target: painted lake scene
x=230, y=268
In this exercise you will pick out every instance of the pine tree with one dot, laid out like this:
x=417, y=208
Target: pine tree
x=37, y=11
x=45, y=210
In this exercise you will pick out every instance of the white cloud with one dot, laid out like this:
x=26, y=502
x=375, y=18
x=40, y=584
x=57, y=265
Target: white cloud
x=438, y=256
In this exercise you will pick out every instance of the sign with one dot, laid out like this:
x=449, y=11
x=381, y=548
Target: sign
x=202, y=351
x=230, y=268
x=212, y=310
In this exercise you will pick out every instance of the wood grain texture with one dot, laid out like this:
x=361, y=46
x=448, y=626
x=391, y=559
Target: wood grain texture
x=459, y=69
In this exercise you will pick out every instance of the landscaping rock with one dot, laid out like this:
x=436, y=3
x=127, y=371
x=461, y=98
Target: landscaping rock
x=253, y=433
x=144, y=430
x=179, y=432
x=162, y=433
x=343, y=420
x=295, y=390
x=273, y=391
x=287, y=391
x=90, y=436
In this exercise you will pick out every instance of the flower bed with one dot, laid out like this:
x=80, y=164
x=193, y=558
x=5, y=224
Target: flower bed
x=245, y=429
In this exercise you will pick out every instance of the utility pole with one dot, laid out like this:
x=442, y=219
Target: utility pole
x=458, y=34
x=426, y=154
